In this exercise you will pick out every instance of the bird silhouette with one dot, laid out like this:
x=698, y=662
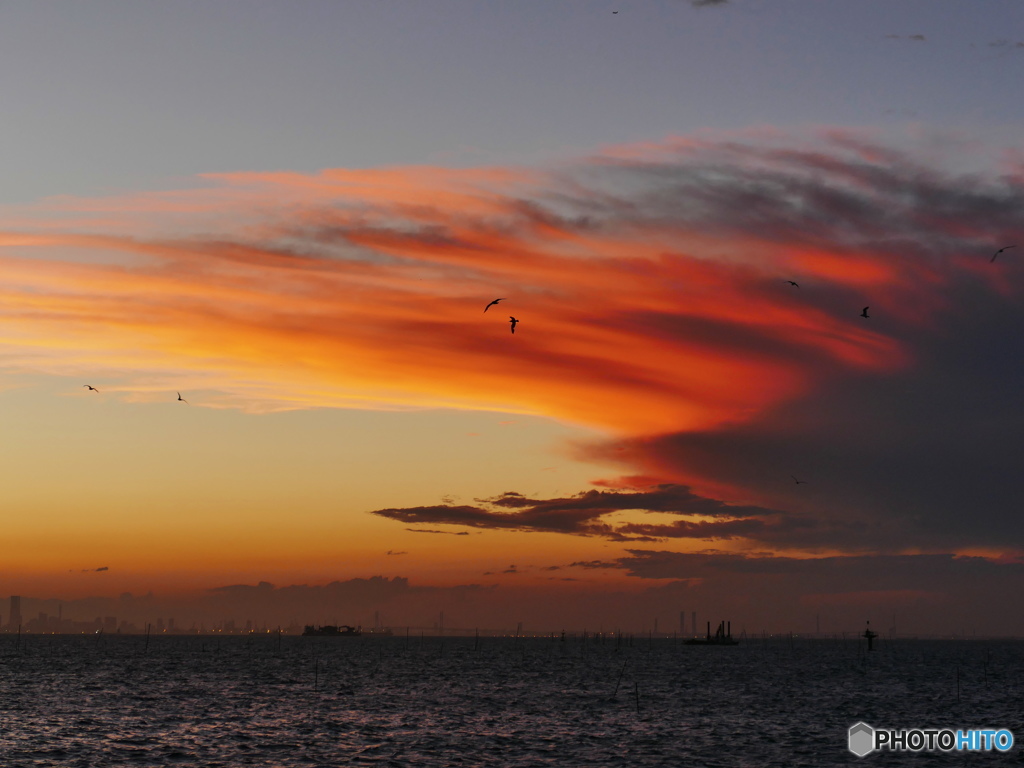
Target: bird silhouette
x=90, y=387
x=864, y=313
x=513, y=321
x=182, y=399
x=1000, y=251
x=799, y=482
x=793, y=283
x=492, y=304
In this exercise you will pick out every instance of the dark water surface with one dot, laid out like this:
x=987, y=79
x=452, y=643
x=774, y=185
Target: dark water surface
x=252, y=701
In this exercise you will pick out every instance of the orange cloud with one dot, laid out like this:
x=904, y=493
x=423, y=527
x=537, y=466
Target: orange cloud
x=643, y=307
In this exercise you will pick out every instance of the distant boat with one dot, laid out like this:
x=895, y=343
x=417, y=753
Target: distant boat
x=329, y=630
x=722, y=636
x=380, y=632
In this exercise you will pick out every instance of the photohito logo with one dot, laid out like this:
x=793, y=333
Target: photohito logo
x=863, y=739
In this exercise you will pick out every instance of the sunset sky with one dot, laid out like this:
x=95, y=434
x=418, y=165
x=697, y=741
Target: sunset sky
x=294, y=214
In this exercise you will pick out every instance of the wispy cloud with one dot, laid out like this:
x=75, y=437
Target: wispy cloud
x=431, y=530
x=650, y=281
x=1007, y=44
x=679, y=311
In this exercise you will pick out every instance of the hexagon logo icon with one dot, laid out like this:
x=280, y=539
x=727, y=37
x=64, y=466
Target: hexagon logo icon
x=862, y=739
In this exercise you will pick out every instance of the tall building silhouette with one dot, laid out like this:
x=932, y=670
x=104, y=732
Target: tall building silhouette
x=15, y=611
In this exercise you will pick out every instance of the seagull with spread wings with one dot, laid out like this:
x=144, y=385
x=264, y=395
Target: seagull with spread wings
x=1000, y=251
x=89, y=386
x=492, y=304
x=864, y=312
x=513, y=322
x=182, y=399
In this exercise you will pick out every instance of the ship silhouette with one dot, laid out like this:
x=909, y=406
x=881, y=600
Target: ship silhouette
x=722, y=636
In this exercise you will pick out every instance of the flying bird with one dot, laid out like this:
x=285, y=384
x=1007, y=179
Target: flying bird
x=799, y=482
x=864, y=313
x=182, y=399
x=90, y=387
x=1000, y=251
x=492, y=304
x=513, y=321
x=793, y=283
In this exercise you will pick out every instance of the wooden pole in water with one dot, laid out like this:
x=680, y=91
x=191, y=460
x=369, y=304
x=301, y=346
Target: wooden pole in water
x=621, y=673
x=146, y=649
x=958, y=685
x=636, y=690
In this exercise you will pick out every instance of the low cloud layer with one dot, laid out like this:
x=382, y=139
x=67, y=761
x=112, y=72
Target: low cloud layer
x=941, y=594
x=584, y=515
x=857, y=572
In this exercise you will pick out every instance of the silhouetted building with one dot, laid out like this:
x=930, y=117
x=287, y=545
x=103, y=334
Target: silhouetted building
x=15, y=611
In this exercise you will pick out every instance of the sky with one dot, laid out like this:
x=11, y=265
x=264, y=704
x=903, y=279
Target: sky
x=292, y=216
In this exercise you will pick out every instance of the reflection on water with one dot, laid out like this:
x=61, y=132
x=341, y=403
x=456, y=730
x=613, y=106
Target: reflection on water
x=248, y=701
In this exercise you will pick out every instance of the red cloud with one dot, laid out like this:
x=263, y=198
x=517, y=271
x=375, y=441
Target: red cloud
x=367, y=285
x=650, y=284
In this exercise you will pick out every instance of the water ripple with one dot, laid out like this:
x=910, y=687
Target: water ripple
x=79, y=701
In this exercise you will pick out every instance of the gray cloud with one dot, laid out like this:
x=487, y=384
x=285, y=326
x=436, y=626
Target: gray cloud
x=920, y=454
x=920, y=451
x=846, y=572
x=924, y=457
x=596, y=564
x=429, y=530
x=582, y=515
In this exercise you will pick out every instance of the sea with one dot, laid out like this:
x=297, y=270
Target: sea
x=408, y=700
